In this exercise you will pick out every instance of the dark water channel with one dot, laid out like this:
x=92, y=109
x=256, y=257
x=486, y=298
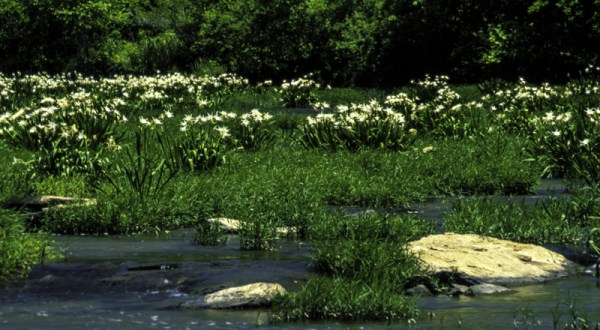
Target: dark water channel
x=134, y=283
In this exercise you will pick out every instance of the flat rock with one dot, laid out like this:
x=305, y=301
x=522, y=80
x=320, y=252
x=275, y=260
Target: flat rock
x=485, y=288
x=233, y=226
x=490, y=260
x=457, y=289
x=228, y=225
x=247, y=296
x=43, y=202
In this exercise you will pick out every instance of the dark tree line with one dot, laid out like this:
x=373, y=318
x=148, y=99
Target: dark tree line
x=347, y=42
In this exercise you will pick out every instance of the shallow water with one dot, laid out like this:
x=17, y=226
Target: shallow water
x=134, y=282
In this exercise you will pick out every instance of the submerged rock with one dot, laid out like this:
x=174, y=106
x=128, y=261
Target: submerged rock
x=233, y=226
x=485, y=288
x=419, y=290
x=488, y=259
x=457, y=289
x=251, y=295
x=43, y=202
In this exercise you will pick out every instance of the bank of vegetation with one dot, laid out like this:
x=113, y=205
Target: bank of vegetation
x=161, y=152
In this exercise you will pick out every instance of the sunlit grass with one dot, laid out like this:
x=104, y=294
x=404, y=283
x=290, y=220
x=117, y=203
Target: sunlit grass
x=170, y=151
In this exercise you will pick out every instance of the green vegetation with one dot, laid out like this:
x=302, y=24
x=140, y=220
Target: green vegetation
x=19, y=251
x=171, y=151
x=346, y=42
x=547, y=222
x=323, y=298
x=273, y=145
x=366, y=267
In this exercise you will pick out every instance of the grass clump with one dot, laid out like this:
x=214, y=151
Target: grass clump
x=324, y=298
x=548, y=222
x=19, y=251
x=364, y=267
x=117, y=216
x=209, y=234
x=491, y=164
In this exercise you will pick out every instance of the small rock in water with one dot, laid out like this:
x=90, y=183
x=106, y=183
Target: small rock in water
x=42, y=202
x=419, y=290
x=228, y=225
x=251, y=295
x=485, y=288
x=48, y=279
x=233, y=226
x=457, y=290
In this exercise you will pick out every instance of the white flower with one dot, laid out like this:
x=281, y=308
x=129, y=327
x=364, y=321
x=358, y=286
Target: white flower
x=321, y=106
x=224, y=131
x=585, y=142
x=342, y=108
x=556, y=133
x=144, y=121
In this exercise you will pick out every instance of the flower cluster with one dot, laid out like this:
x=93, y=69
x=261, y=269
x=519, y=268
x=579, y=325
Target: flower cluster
x=72, y=119
x=516, y=107
x=299, y=93
x=569, y=141
x=369, y=125
x=430, y=87
x=139, y=92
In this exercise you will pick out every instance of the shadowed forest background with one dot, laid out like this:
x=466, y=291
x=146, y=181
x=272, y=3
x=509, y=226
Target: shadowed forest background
x=368, y=43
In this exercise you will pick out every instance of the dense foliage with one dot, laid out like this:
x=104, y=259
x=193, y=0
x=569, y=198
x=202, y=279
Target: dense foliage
x=19, y=251
x=297, y=160
x=346, y=42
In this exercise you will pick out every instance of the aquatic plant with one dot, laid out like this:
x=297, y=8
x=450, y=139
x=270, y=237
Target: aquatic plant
x=209, y=234
x=515, y=107
x=595, y=247
x=357, y=126
x=569, y=142
x=323, y=298
x=146, y=166
x=70, y=134
x=19, y=251
x=253, y=130
x=203, y=142
x=299, y=93
x=547, y=222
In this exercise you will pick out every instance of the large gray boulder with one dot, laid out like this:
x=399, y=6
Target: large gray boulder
x=490, y=260
x=247, y=296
